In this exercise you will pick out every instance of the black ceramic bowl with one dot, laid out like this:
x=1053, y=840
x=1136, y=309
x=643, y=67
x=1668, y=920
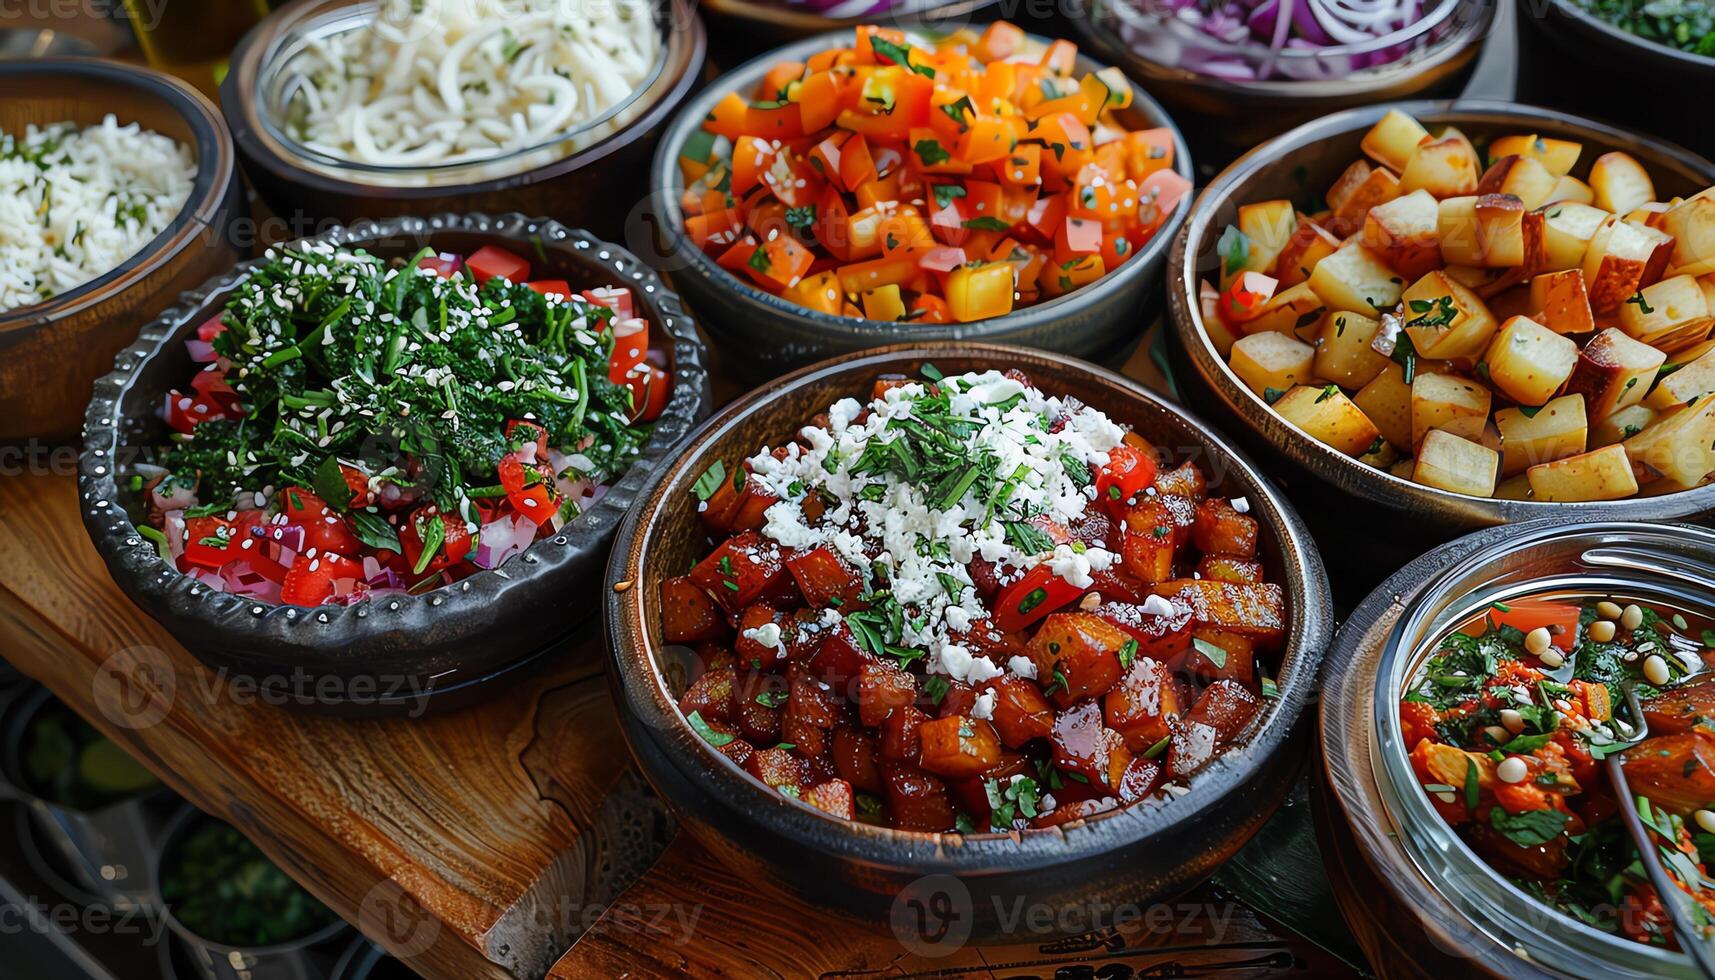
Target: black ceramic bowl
x=392, y=652
x=1380, y=517
x=741, y=29
x=1147, y=853
x=763, y=335
x=1629, y=79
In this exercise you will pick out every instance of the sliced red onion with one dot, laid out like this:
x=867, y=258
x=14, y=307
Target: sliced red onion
x=290, y=537
x=201, y=351
x=173, y=526
x=502, y=538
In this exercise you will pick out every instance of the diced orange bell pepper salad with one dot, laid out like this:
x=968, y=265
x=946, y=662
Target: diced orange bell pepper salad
x=890, y=181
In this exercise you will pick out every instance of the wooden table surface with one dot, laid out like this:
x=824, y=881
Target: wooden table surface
x=510, y=838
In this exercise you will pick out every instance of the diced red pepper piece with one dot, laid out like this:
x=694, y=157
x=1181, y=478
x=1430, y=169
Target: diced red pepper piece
x=491, y=261
x=551, y=287
x=825, y=579
x=1526, y=615
x=324, y=528
x=310, y=581
x=1032, y=597
x=455, y=540
x=1126, y=474
x=534, y=500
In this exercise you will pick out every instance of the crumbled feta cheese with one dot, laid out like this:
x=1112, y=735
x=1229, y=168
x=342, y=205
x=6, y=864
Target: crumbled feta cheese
x=983, y=706
x=767, y=635
x=1241, y=504
x=1157, y=606
x=1023, y=667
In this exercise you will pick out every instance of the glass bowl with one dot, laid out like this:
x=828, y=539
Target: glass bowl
x=1669, y=564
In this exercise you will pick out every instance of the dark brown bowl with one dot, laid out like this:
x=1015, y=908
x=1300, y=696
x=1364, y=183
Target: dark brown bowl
x=392, y=653
x=1308, y=159
x=765, y=335
x=1139, y=855
x=1226, y=117
x=1639, y=81
x=593, y=185
x=51, y=353
x=744, y=28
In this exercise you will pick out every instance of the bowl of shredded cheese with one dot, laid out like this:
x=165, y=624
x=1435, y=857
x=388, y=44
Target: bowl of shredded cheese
x=370, y=108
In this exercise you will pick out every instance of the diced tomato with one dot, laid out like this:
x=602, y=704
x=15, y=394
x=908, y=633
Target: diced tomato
x=650, y=390
x=1526, y=615
x=207, y=541
x=324, y=528
x=630, y=344
x=551, y=287
x=534, y=500
x=211, y=328
x=454, y=546
x=310, y=581
x=183, y=412
x=1125, y=475
x=445, y=264
x=491, y=261
x=615, y=298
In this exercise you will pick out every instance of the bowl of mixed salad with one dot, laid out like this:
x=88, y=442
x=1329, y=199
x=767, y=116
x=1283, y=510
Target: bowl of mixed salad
x=367, y=451
x=968, y=610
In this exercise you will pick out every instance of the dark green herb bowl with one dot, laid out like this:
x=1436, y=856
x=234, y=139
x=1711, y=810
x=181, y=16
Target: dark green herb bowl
x=763, y=335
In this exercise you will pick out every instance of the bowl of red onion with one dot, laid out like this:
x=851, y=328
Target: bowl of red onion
x=1242, y=71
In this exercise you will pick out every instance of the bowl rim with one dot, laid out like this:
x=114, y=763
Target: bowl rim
x=155, y=582
x=685, y=50
x=666, y=184
x=216, y=168
x=638, y=680
x=1472, y=34
x=926, y=15
x=1349, y=474
x=1612, y=34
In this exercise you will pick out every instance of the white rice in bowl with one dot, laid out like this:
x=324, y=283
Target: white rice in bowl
x=75, y=203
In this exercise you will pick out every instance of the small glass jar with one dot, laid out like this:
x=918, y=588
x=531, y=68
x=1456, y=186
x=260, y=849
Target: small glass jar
x=1666, y=564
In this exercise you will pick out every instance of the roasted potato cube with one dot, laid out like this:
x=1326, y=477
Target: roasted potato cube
x=857, y=758
x=1078, y=654
x=1143, y=706
x=1555, y=431
x=1692, y=225
x=1227, y=707
x=1292, y=312
x=1445, y=167
x=1386, y=402
x=1621, y=425
x=1160, y=636
x=1256, y=611
x=1558, y=156
x=1149, y=540
x=1272, y=360
x=740, y=571
x=811, y=713
x=1678, y=447
x=1222, y=530
x=1569, y=189
x=778, y=769
x=1084, y=745
x=1620, y=182
x=1520, y=176
x=688, y=614
x=1668, y=315
x=711, y=695
x=1021, y=713
x=880, y=689
x=1218, y=655
x=1685, y=385
x=958, y=746
x=1447, y=462
x=1614, y=371
x=824, y=579
x=1327, y=415
x=1226, y=568
x=1445, y=319
x=1393, y=139
x=899, y=735
x=1343, y=353
x=1358, y=190
x=1268, y=226
x=1404, y=232
x=749, y=648
x=834, y=796
x=1449, y=403
x=1309, y=244
x=1500, y=230
x=1559, y=301
x=915, y=799
x=1355, y=279
x=1529, y=362
x=1567, y=230
x=1614, y=265
x=1602, y=474
x=1456, y=231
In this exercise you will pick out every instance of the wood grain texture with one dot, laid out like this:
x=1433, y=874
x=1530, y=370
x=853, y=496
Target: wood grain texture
x=456, y=840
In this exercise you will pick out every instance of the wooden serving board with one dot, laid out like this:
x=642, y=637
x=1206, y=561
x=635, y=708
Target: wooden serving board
x=510, y=838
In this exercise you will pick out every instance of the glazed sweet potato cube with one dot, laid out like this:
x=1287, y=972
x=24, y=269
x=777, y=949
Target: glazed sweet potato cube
x=1184, y=481
x=1219, y=655
x=971, y=794
x=688, y=614
x=880, y=689
x=1256, y=611
x=1076, y=656
x=899, y=741
x=740, y=571
x=1227, y=707
x=1191, y=748
x=738, y=750
x=1115, y=583
x=856, y=758
x=958, y=746
x=1222, y=530
x=1141, y=776
x=957, y=700
x=1094, y=529
x=1674, y=771
x=1084, y=745
x=810, y=716
x=749, y=645
x=1021, y=713
x=756, y=706
x=778, y=768
x=711, y=695
x=825, y=579
x=717, y=511
x=838, y=658
x=711, y=655
x=1071, y=812
x=751, y=509
x=1144, y=705
x=1149, y=541
x=915, y=799
x=1226, y=568
x=834, y=796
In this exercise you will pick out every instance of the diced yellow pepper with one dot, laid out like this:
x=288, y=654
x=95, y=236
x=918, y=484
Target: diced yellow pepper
x=979, y=292
x=883, y=303
x=820, y=292
x=1059, y=278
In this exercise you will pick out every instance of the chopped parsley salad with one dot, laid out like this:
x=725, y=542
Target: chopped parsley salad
x=899, y=179
x=1508, y=724
x=966, y=605
x=361, y=426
